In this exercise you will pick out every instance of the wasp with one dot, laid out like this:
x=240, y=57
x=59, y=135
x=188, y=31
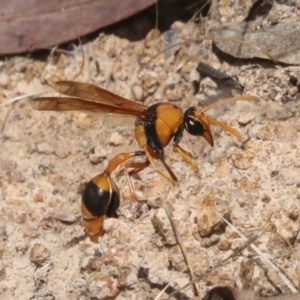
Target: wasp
x=155, y=126
x=101, y=196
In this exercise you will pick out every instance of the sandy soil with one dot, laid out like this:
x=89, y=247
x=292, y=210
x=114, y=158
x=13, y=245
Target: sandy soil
x=47, y=157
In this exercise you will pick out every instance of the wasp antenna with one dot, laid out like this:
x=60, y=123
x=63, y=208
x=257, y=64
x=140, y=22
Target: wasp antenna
x=226, y=127
x=230, y=100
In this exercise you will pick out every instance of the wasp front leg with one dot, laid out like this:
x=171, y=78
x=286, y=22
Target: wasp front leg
x=151, y=156
x=186, y=155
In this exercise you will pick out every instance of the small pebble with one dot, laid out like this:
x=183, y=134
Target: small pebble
x=245, y=119
x=39, y=253
x=84, y=121
x=44, y=148
x=102, y=286
x=38, y=198
x=137, y=92
x=116, y=139
x=4, y=80
x=98, y=155
x=8, y=165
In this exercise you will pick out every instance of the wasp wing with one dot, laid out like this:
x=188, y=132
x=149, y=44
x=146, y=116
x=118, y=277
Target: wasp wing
x=75, y=104
x=97, y=94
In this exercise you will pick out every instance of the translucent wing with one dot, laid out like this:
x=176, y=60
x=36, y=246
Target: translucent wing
x=75, y=104
x=89, y=98
x=95, y=93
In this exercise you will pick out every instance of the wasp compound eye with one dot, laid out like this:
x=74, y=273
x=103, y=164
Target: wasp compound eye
x=192, y=124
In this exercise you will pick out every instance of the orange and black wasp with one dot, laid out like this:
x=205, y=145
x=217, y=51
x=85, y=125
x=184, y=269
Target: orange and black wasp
x=155, y=126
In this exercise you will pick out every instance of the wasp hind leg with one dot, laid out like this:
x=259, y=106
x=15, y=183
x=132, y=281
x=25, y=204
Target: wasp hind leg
x=121, y=158
x=137, y=167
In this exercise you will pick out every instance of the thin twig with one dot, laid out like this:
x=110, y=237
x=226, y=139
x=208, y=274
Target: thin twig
x=182, y=248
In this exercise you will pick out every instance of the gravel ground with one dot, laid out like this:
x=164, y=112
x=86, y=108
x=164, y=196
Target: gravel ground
x=47, y=157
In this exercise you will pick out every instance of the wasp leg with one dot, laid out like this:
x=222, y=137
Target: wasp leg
x=187, y=156
x=120, y=158
x=137, y=167
x=172, y=178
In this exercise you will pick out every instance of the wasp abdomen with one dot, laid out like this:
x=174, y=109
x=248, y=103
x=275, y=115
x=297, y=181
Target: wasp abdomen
x=100, y=199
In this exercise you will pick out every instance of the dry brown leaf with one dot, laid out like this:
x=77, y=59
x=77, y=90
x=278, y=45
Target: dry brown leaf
x=34, y=24
x=280, y=41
